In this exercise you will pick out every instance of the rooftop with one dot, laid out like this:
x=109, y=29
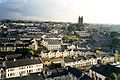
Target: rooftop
x=35, y=76
x=68, y=60
x=54, y=41
x=106, y=70
x=21, y=62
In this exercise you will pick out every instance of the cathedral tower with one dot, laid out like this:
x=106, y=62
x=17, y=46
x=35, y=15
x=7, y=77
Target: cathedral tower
x=80, y=21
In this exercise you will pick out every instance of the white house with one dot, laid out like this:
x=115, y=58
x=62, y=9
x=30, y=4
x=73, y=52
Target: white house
x=1, y=72
x=23, y=67
x=52, y=44
x=83, y=33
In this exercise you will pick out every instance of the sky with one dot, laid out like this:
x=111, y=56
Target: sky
x=93, y=11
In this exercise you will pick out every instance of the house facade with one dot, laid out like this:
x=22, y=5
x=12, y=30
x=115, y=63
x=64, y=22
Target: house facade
x=12, y=44
x=1, y=72
x=22, y=67
x=52, y=44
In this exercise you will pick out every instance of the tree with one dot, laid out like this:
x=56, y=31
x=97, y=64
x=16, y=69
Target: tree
x=114, y=34
x=114, y=39
x=113, y=76
x=23, y=51
x=31, y=52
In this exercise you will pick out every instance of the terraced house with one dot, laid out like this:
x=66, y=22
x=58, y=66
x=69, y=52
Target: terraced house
x=23, y=67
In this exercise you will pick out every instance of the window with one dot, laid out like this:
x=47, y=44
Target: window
x=38, y=69
x=11, y=69
x=2, y=75
x=21, y=68
x=29, y=71
x=12, y=74
x=1, y=71
x=30, y=66
x=22, y=72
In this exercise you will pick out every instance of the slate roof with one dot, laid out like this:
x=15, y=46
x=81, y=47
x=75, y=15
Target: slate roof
x=79, y=58
x=55, y=73
x=106, y=70
x=52, y=35
x=33, y=76
x=68, y=60
x=82, y=50
x=105, y=55
x=78, y=73
x=21, y=62
x=86, y=77
x=13, y=56
x=90, y=56
x=63, y=71
x=75, y=72
x=55, y=42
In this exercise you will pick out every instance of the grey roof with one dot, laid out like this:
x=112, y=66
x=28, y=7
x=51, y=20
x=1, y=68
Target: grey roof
x=106, y=70
x=79, y=58
x=33, y=76
x=54, y=41
x=90, y=56
x=55, y=73
x=63, y=71
x=14, y=45
x=45, y=59
x=50, y=35
x=105, y=55
x=73, y=59
x=84, y=50
x=13, y=56
x=22, y=62
x=68, y=60
x=78, y=73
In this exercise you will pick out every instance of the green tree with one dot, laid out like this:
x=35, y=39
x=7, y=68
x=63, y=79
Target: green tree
x=23, y=51
x=31, y=52
x=113, y=76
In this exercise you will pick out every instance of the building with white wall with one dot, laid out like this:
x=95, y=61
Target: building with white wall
x=23, y=67
x=52, y=44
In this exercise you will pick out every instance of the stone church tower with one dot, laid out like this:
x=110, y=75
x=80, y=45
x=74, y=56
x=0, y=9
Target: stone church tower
x=80, y=21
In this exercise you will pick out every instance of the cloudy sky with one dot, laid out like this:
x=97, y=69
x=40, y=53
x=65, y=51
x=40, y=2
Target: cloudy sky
x=94, y=11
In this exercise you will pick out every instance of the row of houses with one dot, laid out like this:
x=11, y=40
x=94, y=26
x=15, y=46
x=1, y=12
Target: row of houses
x=50, y=41
x=65, y=53
x=80, y=61
x=104, y=72
x=68, y=73
x=89, y=60
x=13, y=44
x=24, y=67
x=19, y=68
